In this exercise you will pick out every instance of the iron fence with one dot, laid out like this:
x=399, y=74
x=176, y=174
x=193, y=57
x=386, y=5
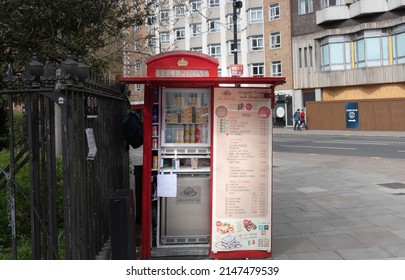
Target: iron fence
x=77, y=117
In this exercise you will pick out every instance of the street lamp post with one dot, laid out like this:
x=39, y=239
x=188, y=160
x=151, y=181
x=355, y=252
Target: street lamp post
x=237, y=5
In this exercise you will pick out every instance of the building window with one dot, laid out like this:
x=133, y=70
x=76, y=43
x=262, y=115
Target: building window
x=137, y=65
x=229, y=20
x=276, y=68
x=335, y=53
x=214, y=50
x=256, y=43
x=137, y=46
x=256, y=15
x=195, y=6
x=327, y=3
x=199, y=50
x=196, y=30
x=231, y=47
x=137, y=87
x=180, y=33
x=371, y=48
x=179, y=11
x=165, y=37
x=164, y=15
x=305, y=7
x=214, y=25
x=399, y=44
x=274, y=11
x=214, y=3
x=151, y=20
x=257, y=70
x=275, y=40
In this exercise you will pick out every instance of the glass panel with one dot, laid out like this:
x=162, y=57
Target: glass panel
x=336, y=54
x=373, y=49
x=400, y=45
x=325, y=57
x=360, y=56
x=186, y=116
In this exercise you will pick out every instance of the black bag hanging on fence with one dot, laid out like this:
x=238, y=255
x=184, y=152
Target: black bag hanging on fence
x=133, y=129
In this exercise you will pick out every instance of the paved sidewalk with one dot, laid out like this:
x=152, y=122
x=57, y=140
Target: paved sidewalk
x=338, y=207
x=290, y=130
x=328, y=207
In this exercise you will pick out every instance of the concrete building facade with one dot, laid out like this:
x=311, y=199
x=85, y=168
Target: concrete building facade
x=348, y=50
x=328, y=50
x=263, y=30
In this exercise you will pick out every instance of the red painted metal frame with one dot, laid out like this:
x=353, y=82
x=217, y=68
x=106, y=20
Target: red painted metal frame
x=185, y=82
x=182, y=60
x=202, y=81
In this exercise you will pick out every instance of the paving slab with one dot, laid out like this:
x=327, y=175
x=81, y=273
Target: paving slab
x=337, y=241
x=373, y=253
x=336, y=207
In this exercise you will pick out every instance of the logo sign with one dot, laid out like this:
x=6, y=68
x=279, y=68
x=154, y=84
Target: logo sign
x=188, y=195
x=352, y=115
x=236, y=69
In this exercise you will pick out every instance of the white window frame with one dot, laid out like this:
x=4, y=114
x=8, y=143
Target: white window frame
x=214, y=50
x=137, y=46
x=196, y=30
x=179, y=11
x=138, y=87
x=257, y=69
x=199, y=50
x=256, y=15
x=329, y=3
x=305, y=7
x=256, y=43
x=276, y=68
x=275, y=40
x=165, y=37
x=274, y=11
x=213, y=3
x=214, y=25
x=195, y=6
x=398, y=40
x=335, y=53
x=137, y=65
x=164, y=15
x=230, y=47
x=180, y=33
x=229, y=19
x=363, y=45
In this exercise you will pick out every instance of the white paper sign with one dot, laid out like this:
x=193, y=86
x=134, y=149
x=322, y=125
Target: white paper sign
x=91, y=143
x=167, y=185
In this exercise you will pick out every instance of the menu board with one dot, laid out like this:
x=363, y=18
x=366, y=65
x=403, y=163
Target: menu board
x=242, y=170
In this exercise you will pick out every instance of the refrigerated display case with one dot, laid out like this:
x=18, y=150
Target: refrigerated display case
x=185, y=150
x=185, y=117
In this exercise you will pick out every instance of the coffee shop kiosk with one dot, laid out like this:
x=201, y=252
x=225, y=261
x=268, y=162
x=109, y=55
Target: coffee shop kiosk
x=207, y=159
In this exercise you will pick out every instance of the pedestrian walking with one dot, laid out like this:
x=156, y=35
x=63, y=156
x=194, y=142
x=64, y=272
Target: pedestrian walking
x=302, y=120
x=296, y=119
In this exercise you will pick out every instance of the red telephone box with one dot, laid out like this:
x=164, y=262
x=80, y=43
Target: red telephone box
x=207, y=150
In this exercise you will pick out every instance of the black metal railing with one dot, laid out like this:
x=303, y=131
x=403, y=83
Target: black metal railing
x=68, y=115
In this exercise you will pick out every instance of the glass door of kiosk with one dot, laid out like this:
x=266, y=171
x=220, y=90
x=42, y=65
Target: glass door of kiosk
x=185, y=151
